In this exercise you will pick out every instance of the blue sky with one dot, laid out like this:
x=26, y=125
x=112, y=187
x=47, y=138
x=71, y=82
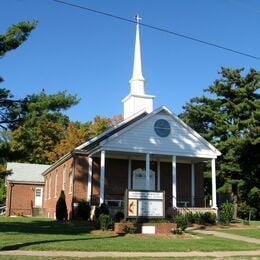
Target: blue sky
x=91, y=55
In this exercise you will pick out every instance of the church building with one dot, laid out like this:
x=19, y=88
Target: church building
x=151, y=150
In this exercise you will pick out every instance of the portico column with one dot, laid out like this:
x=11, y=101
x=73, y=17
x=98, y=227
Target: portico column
x=129, y=173
x=147, y=172
x=90, y=161
x=174, y=184
x=158, y=175
x=214, y=191
x=192, y=184
x=102, y=177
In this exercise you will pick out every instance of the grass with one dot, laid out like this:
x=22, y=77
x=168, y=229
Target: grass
x=42, y=234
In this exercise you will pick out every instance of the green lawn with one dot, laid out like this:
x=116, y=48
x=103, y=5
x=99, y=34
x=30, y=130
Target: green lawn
x=42, y=234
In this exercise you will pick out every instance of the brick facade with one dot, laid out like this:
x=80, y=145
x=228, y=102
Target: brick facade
x=20, y=198
x=116, y=182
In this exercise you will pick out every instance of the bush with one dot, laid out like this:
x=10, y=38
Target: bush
x=119, y=216
x=177, y=231
x=209, y=217
x=102, y=209
x=61, y=208
x=130, y=230
x=105, y=222
x=244, y=210
x=84, y=210
x=182, y=222
x=226, y=213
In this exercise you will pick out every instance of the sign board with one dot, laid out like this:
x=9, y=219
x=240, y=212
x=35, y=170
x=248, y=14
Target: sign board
x=148, y=229
x=148, y=204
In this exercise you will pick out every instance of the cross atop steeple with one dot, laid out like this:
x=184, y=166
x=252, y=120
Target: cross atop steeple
x=138, y=18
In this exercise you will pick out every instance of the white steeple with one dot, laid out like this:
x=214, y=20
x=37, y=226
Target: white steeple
x=137, y=100
x=137, y=81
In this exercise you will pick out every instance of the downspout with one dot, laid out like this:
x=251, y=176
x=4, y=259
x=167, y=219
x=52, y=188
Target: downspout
x=10, y=198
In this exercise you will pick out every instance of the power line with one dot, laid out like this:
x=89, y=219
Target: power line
x=160, y=29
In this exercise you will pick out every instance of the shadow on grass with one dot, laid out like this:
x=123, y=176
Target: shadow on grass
x=19, y=246
x=45, y=227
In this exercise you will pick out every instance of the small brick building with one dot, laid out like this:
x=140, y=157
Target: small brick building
x=24, y=188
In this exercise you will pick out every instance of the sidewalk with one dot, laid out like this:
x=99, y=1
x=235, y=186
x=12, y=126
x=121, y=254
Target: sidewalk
x=217, y=254
x=226, y=235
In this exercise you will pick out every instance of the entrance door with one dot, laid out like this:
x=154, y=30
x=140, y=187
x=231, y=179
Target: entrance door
x=38, y=197
x=139, y=179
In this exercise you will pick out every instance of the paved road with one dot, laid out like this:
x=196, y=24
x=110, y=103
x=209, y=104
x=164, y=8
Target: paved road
x=217, y=254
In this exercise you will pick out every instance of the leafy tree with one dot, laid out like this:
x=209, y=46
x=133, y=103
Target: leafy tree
x=229, y=118
x=77, y=133
x=42, y=127
x=10, y=108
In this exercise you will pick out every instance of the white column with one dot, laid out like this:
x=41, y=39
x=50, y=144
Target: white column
x=102, y=177
x=147, y=172
x=174, y=184
x=158, y=175
x=192, y=184
x=90, y=162
x=214, y=190
x=129, y=173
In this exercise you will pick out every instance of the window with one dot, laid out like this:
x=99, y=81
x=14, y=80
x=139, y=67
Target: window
x=46, y=189
x=71, y=181
x=49, y=187
x=56, y=183
x=64, y=178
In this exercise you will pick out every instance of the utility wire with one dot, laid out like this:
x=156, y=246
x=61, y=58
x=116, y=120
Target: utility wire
x=159, y=29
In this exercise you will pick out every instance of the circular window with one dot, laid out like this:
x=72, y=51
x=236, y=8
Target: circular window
x=162, y=128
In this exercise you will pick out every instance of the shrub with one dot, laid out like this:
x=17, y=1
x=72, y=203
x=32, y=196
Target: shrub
x=105, y=222
x=176, y=231
x=226, y=213
x=244, y=210
x=119, y=216
x=130, y=230
x=84, y=210
x=182, y=222
x=102, y=209
x=209, y=217
x=61, y=208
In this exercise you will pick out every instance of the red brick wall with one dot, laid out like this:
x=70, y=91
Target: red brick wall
x=80, y=178
x=50, y=201
x=117, y=173
x=22, y=199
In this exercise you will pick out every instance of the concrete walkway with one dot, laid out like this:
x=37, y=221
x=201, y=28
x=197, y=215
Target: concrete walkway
x=217, y=254
x=226, y=235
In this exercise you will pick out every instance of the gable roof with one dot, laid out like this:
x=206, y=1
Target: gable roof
x=124, y=137
x=26, y=172
x=140, y=137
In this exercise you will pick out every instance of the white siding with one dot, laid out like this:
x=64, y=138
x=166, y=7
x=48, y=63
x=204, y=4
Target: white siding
x=142, y=138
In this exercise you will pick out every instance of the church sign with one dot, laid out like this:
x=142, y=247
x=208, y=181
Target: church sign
x=148, y=204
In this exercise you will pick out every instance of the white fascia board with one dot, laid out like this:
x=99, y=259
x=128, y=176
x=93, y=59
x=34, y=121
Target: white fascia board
x=157, y=152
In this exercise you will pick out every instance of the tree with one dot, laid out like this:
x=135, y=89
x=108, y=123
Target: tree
x=229, y=118
x=61, y=208
x=10, y=108
x=77, y=133
x=42, y=127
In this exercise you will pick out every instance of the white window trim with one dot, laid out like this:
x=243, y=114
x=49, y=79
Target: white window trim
x=49, y=195
x=71, y=181
x=64, y=178
x=56, y=184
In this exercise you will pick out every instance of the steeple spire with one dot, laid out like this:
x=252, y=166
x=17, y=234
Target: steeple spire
x=137, y=81
x=137, y=100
